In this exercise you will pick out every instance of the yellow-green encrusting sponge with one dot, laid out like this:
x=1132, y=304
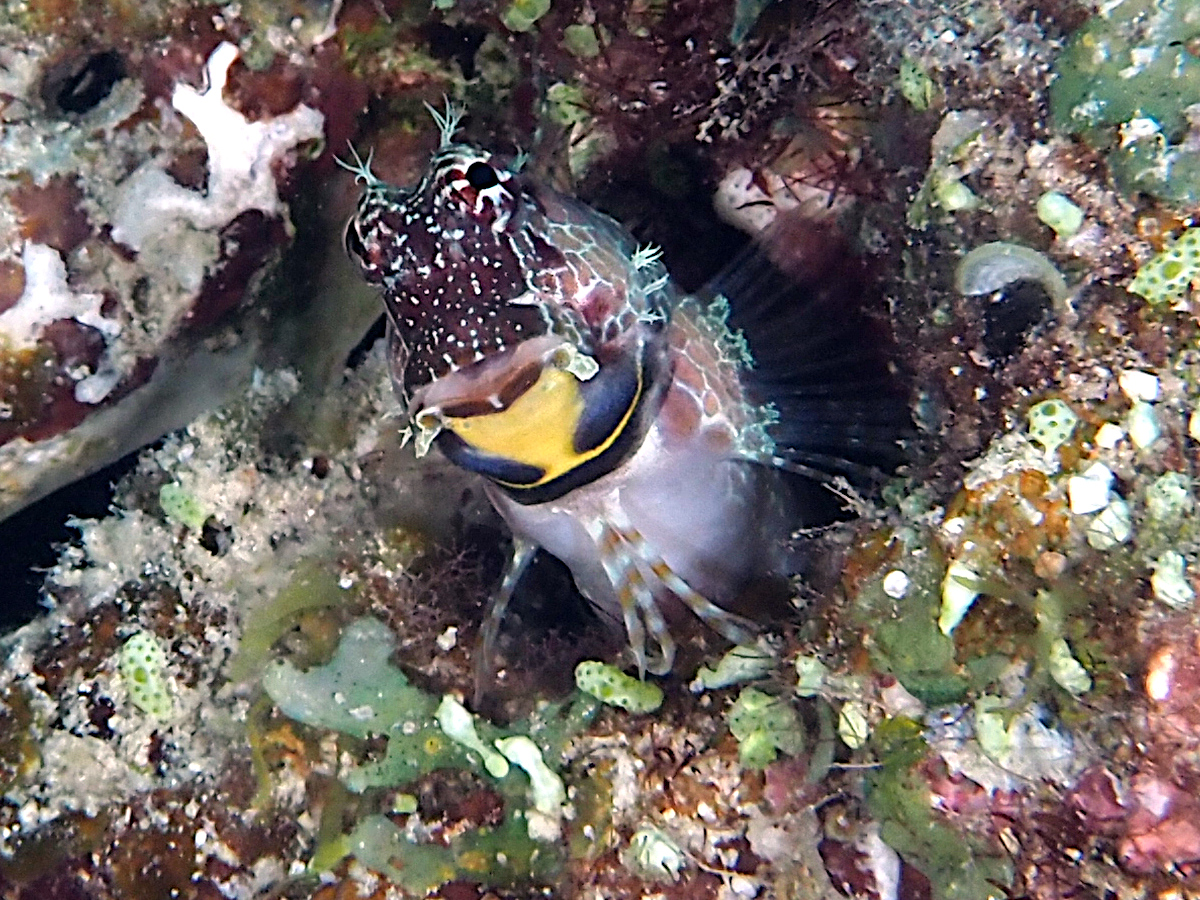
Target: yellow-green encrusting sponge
x=610, y=685
x=1051, y=424
x=143, y=665
x=1169, y=275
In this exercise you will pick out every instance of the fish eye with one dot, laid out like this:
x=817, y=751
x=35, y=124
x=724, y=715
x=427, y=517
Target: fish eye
x=481, y=176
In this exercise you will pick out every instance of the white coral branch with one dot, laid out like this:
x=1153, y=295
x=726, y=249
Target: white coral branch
x=240, y=153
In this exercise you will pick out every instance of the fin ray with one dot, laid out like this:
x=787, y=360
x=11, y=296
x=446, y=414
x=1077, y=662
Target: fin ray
x=822, y=361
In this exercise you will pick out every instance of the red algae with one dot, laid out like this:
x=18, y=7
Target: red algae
x=51, y=214
x=12, y=283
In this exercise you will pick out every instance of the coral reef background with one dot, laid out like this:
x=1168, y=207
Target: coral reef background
x=250, y=674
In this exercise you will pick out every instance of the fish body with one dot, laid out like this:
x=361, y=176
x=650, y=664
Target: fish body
x=535, y=343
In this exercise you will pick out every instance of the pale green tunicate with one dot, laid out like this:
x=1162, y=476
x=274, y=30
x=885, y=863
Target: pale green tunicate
x=143, y=666
x=1057, y=211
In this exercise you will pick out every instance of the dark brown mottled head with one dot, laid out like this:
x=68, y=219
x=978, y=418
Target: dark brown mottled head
x=457, y=256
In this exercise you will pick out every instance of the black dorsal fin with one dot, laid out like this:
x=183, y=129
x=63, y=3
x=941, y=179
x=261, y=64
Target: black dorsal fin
x=823, y=353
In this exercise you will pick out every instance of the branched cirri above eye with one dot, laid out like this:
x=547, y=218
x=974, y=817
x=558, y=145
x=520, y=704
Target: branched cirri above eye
x=481, y=176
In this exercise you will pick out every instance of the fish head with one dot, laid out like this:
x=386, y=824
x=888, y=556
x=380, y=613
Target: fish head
x=455, y=282
x=525, y=328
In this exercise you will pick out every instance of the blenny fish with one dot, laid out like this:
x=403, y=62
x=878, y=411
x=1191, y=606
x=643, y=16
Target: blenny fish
x=534, y=342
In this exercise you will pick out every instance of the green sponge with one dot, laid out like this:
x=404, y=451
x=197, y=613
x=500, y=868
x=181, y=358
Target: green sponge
x=143, y=665
x=1128, y=82
x=1169, y=275
x=610, y=685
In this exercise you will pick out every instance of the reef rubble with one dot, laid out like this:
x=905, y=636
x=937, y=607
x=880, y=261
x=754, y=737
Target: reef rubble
x=253, y=677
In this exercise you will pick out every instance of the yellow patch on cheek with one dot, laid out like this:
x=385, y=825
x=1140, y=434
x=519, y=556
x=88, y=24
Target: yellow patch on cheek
x=537, y=429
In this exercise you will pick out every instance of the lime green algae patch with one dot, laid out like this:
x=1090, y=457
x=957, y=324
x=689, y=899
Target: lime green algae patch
x=1060, y=213
x=1126, y=82
x=179, y=505
x=361, y=694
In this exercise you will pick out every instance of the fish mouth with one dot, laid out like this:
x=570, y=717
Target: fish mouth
x=489, y=386
x=539, y=419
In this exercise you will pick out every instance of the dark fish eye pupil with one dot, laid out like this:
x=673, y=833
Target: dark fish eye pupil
x=481, y=176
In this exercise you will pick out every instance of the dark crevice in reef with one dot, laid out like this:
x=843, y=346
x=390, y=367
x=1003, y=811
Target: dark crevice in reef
x=459, y=43
x=80, y=83
x=31, y=538
x=664, y=198
x=359, y=353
